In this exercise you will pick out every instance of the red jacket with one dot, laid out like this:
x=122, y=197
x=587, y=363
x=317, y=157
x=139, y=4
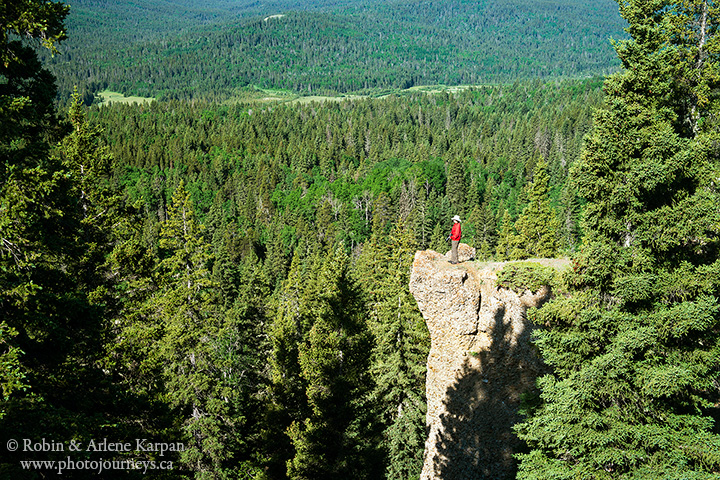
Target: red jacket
x=455, y=233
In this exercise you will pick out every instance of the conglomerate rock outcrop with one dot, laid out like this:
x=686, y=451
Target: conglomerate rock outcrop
x=481, y=361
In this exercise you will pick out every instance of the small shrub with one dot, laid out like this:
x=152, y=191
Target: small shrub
x=523, y=276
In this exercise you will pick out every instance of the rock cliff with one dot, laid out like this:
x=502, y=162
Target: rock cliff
x=481, y=361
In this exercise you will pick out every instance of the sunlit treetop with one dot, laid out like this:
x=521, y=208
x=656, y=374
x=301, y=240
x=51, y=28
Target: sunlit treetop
x=34, y=19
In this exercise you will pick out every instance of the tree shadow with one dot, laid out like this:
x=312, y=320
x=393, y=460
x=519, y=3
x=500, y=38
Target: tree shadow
x=475, y=439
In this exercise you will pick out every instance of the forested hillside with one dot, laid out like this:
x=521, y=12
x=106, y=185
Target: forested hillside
x=186, y=50
x=331, y=171
x=223, y=287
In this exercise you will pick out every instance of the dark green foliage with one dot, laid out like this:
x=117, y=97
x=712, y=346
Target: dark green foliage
x=457, y=186
x=635, y=349
x=480, y=227
x=400, y=351
x=141, y=263
x=537, y=227
x=50, y=264
x=38, y=20
x=220, y=49
x=569, y=219
x=506, y=238
x=320, y=361
x=189, y=344
x=521, y=276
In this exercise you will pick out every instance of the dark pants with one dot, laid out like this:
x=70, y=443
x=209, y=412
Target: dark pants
x=454, y=251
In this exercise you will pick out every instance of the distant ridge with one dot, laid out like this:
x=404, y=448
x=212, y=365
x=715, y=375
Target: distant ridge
x=183, y=50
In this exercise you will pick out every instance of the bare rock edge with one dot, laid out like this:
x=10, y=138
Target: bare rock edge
x=481, y=361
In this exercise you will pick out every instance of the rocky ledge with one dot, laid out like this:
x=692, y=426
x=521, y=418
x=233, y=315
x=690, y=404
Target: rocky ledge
x=481, y=361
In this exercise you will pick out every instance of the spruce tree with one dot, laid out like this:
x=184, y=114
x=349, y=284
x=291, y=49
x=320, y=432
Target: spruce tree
x=569, y=218
x=506, y=238
x=320, y=374
x=635, y=347
x=188, y=322
x=98, y=204
x=485, y=238
x=382, y=213
x=438, y=239
x=196, y=350
x=457, y=185
x=51, y=329
x=33, y=190
x=400, y=350
x=287, y=329
x=537, y=226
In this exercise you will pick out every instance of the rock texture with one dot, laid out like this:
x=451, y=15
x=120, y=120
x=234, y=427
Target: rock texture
x=465, y=253
x=480, y=363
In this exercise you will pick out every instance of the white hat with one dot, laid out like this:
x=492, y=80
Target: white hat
x=456, y=218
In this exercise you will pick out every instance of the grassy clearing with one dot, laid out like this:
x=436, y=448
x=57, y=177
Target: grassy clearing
x=320, y=98
x=252, y=94
x=255, y=94
x=269, y=95
x=109, y=97
x=280, y=15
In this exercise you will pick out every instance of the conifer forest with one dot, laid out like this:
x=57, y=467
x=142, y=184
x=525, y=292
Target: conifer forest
x=211, y=282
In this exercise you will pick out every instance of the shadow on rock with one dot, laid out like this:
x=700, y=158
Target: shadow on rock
x=475, y=439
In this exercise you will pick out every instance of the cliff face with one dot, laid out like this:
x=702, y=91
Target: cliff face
x=480, y=362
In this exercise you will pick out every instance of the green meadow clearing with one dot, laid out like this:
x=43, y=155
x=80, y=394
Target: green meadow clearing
x=109, y=97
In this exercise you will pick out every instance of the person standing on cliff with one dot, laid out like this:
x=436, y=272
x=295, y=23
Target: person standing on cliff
x=455, y=236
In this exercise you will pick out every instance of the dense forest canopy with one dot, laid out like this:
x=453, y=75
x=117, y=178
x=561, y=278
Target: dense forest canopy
x=187, y=50
x=232, y=277
x=427, y=153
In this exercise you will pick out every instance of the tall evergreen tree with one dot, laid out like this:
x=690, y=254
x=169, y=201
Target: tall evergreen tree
x=288, y=404
x=99, y=205
x=52, y=332
x=457, y=185
x=485, y=237
x=191, y=363
x=506, y=238
x=635, y=349
x=320, y=371
x=198, y=351
x=400, y=351
x=32, y=193
x=569, y=218
x=381, y=213
x=537, y=226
